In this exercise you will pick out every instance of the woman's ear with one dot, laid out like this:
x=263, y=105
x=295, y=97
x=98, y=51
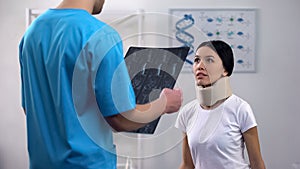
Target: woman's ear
x=225, y=73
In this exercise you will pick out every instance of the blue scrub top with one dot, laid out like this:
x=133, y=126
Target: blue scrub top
x=73, y=75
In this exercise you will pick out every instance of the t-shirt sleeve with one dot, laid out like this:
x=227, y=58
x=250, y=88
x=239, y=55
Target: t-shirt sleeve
x=113, y=89
x=246, y=117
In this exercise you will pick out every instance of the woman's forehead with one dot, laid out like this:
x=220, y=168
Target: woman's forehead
x=205, y=51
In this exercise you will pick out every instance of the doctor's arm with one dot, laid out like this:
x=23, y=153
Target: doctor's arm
x=253, y=148
x=168, y=102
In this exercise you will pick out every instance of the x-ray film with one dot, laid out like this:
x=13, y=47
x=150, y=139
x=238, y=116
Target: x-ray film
x=151, y=70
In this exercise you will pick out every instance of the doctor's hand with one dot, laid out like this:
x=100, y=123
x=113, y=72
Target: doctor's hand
x=172, y=99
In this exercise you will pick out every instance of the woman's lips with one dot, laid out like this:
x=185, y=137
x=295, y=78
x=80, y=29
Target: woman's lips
x=200, y=75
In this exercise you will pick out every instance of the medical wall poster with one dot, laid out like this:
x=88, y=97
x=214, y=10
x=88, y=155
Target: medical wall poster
x=151, y=70
x=190, y=27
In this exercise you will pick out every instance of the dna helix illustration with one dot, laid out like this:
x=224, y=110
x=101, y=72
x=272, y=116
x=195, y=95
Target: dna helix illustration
x=183, y=36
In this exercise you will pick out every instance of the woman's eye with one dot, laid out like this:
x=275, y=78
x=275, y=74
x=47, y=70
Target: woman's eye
x=196, y=60
x=209, y=60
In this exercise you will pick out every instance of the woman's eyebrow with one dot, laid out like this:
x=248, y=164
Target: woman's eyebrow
x=207, y=56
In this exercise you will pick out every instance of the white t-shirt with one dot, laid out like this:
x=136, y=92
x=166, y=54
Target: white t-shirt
x=215, y=136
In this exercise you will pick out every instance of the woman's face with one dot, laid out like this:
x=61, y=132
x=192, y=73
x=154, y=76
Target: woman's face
x=207, y=67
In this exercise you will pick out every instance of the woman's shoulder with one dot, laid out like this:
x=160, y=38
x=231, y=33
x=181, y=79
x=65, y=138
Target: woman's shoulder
x=236, y=100
x=237, y=104
x=191, y=104
x=190, y=107
x=188, y=112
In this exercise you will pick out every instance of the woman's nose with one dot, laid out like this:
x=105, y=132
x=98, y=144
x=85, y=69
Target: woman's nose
x=201, y=65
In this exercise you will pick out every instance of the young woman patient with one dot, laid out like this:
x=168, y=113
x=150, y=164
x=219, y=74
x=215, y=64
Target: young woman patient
x=218, y=124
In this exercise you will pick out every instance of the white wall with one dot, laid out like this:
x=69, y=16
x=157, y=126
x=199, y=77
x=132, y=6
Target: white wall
x=273, y=91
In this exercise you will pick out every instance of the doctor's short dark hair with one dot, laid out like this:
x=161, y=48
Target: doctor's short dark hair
x=224, y=51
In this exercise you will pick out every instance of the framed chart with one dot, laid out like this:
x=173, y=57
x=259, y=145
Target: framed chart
x=190, y=27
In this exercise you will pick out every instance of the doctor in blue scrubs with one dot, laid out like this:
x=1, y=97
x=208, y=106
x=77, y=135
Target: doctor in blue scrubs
x=76, y=89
